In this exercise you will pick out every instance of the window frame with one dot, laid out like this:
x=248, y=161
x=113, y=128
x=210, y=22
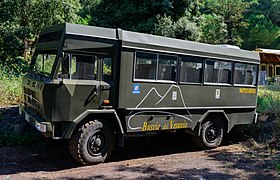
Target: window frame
x=102, y=69
x=218, y=84
x=157, y=68
x=204, y=60
x=202, y=70
x=99, y=66
x=96, y=67
x=246, y=85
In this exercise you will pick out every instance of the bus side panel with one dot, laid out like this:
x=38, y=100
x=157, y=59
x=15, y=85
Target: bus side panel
x=151, y=120
x=171, y=105
x=168, y=120
x=144, y=94
x=237, y=117
x=126, y=64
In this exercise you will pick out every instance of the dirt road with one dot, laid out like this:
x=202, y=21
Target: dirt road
x=141, y=158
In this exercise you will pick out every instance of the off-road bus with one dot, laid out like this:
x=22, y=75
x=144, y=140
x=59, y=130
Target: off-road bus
x=94, y=86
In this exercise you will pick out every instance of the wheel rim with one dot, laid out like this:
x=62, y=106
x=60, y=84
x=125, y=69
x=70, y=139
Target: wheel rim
x=212, y=133
x=96, y=143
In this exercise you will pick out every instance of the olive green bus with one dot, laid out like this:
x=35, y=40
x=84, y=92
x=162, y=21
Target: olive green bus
x=94, y=86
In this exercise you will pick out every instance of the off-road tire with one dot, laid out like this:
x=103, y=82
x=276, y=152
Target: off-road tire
x=211, y=134
x=92, y=143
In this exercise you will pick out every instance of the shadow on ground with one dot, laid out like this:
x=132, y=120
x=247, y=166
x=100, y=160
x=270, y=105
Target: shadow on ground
x=259, y=163
x=149, y=172
x=54, y=156
x=51, y=155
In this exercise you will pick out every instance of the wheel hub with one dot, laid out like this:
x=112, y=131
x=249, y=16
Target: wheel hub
x=96, y=143
x=212, y=133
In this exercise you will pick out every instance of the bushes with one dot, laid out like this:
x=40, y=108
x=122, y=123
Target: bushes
x=10, y=85
x=269, y=104
x=269, y=100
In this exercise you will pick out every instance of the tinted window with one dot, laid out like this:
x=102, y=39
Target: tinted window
x=211, y=71
x=191, y=69
x=245, y=74
x=225, y=72
x=167, y=67
x=145, y=67
x=218, y=72
x=84, y=67
x=153, y=66
x=54, y=36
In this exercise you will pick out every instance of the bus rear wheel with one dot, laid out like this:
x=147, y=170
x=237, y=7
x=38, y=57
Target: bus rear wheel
x=211, y=134
x=92, y=143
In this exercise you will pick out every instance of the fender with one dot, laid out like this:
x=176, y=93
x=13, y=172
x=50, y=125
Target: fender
x=210, y=112
x=67, y=134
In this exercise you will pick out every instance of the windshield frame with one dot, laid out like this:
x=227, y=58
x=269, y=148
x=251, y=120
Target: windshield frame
x=66, y=72
x=34, y=59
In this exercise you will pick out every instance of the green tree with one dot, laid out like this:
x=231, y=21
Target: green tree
x=262, y=28
x=87, y=8
x=274, y=12
x=232, y=11
x=271, y=9
x=214, y=29
x=261, y=32
x=22, y=20
x=132, y=15
x=141, y=16
x=183, y=28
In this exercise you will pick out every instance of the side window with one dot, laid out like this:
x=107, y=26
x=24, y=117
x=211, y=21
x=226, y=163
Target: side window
x=225, y=72
x=218, y=72
x=84, y=67
x=211, y=71
x=145, y=67
x=191, y=69
x=251, y=77
x=153, y=66
x=245, y=74
x=107, y=70
x=167, y=67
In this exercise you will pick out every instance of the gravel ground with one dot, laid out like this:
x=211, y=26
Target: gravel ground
x=169, y=156
x=153, y=159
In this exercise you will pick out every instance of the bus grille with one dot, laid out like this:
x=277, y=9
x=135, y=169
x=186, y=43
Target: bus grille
x=31, y=100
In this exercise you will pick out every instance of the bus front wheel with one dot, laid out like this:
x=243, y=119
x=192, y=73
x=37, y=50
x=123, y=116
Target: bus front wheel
x=211, y=134
x=92, y=143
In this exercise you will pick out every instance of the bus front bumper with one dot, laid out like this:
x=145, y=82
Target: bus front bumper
x=44, y=127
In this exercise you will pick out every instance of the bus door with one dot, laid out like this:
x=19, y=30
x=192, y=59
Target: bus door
x=88, y=78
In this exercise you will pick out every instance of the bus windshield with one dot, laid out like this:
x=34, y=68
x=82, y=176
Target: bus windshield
x=43, y=63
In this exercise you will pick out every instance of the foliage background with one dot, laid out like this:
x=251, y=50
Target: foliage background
x=245, y=23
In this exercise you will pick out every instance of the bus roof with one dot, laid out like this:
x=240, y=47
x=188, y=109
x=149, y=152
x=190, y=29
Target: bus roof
x=143, y=41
